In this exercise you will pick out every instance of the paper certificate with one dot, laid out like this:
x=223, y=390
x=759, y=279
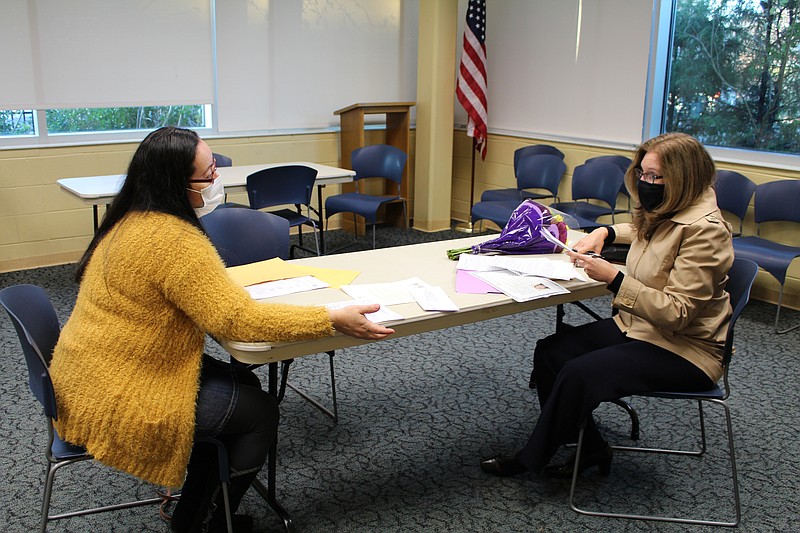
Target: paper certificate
x=521, y=288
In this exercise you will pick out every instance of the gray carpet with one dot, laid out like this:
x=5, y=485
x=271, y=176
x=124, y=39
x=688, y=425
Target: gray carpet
x=416, y=416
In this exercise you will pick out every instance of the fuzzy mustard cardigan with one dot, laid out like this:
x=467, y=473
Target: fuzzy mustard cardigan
x=127, y=364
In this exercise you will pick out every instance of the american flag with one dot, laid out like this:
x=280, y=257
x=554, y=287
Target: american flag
x=471, y=87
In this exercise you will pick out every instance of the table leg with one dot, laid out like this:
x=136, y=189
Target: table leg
x=321, y=228
x=94, y=212
x=268, y=492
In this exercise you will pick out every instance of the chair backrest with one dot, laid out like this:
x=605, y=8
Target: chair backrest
x=222, y=160
x=540, y=172
x=379, y=161
x=597, y=181
x=741, y=277
x=778, y=201
x=620, y=160
x=282, y=185
x=536, y=149
x=38, y=329
x=243, y=236
x=734, y=192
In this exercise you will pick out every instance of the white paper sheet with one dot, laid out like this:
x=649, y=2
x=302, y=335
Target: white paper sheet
x=398, y=292
x=532, y=266
x=521, y=288
x=282, y=287
x=384, y=314
x=433, y=299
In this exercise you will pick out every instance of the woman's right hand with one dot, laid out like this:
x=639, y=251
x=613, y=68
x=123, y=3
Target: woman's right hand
x=593, y=242
x=351, y=321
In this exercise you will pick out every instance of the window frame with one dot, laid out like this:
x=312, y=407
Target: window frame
x=658, y=84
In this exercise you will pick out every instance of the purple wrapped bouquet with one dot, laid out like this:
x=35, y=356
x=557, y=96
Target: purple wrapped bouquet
x=522, y=234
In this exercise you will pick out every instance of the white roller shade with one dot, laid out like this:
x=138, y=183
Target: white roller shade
x=106, y=53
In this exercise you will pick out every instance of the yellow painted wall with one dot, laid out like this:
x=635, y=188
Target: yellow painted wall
x=41, y=225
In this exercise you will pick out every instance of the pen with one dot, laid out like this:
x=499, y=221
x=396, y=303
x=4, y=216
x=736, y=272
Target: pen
x=549, y=237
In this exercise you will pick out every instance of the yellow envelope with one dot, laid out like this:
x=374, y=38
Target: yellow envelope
x=333, y=277
x=269, y=270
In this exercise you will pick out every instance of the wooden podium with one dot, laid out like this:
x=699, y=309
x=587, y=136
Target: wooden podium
x=351, y=119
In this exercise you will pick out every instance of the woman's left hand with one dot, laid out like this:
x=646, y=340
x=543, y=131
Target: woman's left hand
x=595, y=267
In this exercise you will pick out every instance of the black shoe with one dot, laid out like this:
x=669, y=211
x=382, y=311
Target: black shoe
x=601, y=458
x=503, y=466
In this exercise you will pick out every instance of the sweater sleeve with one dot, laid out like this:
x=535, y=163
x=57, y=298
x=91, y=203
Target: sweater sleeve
x=195, y=281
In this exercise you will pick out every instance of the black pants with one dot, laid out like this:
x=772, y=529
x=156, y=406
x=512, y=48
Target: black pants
x=581, y=367
x=233, y=408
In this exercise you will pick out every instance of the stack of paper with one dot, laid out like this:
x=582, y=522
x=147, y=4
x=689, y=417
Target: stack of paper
x=520, y=278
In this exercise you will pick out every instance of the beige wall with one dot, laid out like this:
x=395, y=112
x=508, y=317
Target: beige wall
x=498, y=171
x=41, y=225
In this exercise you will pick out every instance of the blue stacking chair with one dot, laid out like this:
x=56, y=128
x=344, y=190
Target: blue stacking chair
x=242, y=236
x=540, y=175
x=623, y=163
x=38, y=330
x=543, y=172
x=373, y=161
x=594, y=181
x=734, y=192
x=775, y=201
x=287, y=185
x=740, y=281
x=534, y=171
x=222, y=160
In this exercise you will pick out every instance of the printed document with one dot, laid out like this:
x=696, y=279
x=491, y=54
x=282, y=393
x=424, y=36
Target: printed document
x=521, y=288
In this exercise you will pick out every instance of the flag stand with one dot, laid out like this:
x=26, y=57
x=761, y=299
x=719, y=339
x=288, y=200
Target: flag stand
x=467, y=227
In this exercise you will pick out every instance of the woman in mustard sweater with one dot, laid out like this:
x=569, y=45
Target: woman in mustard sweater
x=132, y=382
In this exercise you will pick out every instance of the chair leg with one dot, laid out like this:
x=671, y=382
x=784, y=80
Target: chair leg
x=659, y=518
x=633, y=416
x=778, y=315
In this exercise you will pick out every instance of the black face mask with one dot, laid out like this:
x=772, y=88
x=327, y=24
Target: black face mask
x=651, y=195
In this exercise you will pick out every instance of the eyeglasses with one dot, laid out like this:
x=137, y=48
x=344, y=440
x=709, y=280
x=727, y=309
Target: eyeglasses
x=648, y=176
x=211, y=175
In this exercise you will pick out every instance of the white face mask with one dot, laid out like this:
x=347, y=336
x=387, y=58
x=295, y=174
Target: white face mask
x=213, y=195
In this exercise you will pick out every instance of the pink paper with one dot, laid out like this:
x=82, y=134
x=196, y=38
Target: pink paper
x=466, y=283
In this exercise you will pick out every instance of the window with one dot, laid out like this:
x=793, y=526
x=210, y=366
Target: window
x=17, y=122
x=100, y=120
x=734, y=74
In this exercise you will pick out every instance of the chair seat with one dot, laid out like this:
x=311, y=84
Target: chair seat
x=771, y=256
x=711, y=394
x=63, y=450
x=497, y=212
x=293, y=217
x=510, y=195
x=365, y=205
x=584, y=213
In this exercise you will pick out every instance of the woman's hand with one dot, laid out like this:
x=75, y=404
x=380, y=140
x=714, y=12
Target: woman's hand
x=595, y=267
x=593, y=242
x=351, y=321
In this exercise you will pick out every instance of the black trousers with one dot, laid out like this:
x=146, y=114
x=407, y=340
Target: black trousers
x=581, y=367
x=233, y=408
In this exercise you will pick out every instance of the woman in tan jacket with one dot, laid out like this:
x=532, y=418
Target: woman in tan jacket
x=673, y=308
x=132, y=383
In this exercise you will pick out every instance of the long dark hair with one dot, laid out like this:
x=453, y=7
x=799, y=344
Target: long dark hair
x=156, y=180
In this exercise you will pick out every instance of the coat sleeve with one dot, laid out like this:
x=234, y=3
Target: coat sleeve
x=698, y=270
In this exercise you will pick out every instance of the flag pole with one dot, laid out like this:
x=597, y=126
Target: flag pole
x=467, y=227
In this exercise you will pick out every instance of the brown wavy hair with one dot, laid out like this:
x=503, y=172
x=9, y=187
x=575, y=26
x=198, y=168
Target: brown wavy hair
x=688, y=172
